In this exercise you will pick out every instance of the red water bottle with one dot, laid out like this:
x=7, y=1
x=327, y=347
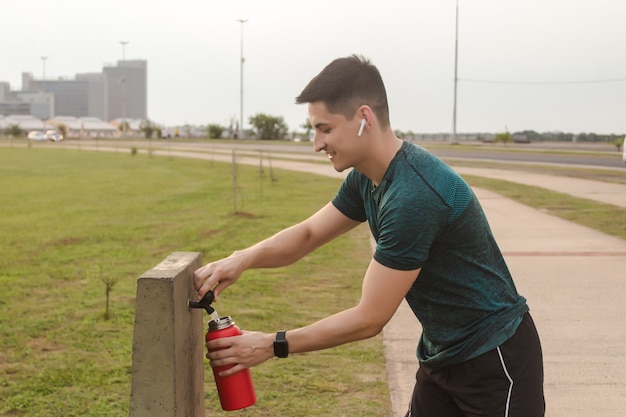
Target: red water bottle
x=235, y=391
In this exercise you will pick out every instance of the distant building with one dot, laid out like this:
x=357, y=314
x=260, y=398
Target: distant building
x=14, y=108
x=127, y=90
x=25, y=122
x=85, y=127
x=119, y=91
x=97, y=95
x=5, y=91
x=9, y=104
x=40, y=104
x=70, y=96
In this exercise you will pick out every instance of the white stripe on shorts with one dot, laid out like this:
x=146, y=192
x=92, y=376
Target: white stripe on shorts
x=506, y=372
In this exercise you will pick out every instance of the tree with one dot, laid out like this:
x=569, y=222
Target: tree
x=268, y=127
x=503, y=137
x=531, y=135
x=124, y=127
x=215, y=131
x=307, y=127
x=109, y=282
x=62, y=130
x=14, y=131
x=148, y=128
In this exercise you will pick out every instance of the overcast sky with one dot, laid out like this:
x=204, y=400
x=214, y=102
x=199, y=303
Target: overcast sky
x=552, y=65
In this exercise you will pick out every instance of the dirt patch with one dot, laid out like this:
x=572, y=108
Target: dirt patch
x=246, y=215
x=209, y=233
x=44, y=345
x=67, y=241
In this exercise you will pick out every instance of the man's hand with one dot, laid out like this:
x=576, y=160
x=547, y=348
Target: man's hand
x=244, y=351
x=217, y=275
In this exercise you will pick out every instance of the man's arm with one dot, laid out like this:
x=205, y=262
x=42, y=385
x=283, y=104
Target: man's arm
x=284, y=248
x=383, y=290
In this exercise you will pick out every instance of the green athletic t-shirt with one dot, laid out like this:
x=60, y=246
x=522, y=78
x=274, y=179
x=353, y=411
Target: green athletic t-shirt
x=424, y=215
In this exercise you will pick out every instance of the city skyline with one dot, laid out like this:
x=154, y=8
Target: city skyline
x=523, y=65
x=116, y=92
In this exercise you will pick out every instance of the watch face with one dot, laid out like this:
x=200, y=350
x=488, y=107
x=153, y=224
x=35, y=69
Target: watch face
x=281, y=349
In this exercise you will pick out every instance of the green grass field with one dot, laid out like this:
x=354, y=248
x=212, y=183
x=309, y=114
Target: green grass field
x=72, y=220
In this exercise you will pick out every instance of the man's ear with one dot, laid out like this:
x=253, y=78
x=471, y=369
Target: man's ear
x=366, y=117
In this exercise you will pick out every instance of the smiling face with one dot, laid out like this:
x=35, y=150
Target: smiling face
x=337, y=137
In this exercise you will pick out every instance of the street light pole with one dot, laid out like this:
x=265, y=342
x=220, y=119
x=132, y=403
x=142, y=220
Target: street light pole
x=43, y=62
x=124, y=43
x=456, y=54
x=123, y=81
x=241, y=21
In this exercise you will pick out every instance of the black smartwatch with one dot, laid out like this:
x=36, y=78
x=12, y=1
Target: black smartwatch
x=281, y=347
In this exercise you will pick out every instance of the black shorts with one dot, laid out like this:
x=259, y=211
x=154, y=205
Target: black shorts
x=504, y=382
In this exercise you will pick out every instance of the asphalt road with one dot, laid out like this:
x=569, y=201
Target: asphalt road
x=533, y=155
x=588, y=155
x=600, y=155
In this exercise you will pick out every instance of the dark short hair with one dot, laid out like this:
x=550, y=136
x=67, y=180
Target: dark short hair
x=346, y=84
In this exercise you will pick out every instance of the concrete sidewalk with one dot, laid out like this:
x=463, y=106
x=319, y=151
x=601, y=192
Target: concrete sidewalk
x=574, y=280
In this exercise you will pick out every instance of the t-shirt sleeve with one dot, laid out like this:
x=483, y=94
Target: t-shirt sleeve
x=408, y=225
x=349, y=200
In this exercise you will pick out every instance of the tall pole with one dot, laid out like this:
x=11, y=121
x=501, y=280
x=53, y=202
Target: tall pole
x=43, y=61
x=123, y=81
x=456, y=79
x=124, y=43
x=43, y=77
x=241, y=21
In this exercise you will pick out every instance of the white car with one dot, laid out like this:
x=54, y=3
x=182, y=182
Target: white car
x=54, y=136
x=37, y=135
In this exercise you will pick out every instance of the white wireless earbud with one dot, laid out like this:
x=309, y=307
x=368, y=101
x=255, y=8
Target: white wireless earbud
x=363, y=121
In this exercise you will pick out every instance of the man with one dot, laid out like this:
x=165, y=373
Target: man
x=479, y=351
